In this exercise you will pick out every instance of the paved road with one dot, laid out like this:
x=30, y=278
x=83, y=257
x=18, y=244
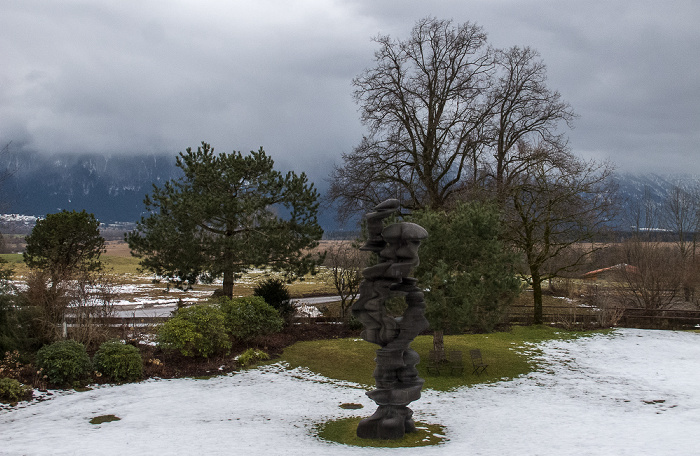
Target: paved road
x=316, y=300
x=165, y=310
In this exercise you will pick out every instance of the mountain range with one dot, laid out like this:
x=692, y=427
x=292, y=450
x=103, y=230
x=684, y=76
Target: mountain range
x=113, y=188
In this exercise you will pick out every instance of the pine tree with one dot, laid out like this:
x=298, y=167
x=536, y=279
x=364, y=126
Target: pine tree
x=227, y=214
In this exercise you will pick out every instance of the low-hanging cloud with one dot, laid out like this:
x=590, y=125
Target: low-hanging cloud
x=153, y=77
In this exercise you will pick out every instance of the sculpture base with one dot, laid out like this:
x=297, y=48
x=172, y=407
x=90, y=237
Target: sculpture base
x=389, y=422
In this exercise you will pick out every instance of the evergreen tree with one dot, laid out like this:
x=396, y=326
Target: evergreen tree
x=465, y=268
x=227, y=214
x=65, y=243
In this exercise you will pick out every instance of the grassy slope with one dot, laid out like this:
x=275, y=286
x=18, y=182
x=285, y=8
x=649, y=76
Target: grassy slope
x=352, y=359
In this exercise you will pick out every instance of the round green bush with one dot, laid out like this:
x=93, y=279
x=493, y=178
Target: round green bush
x=249, y=317
x=64, y=362
x=12, y=391
x=119, y=362
x=196, y=331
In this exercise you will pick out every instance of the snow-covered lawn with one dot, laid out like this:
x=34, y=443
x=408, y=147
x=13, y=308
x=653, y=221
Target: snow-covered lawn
x=633, y=392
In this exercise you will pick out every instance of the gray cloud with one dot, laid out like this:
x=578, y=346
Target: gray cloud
x=151, y=76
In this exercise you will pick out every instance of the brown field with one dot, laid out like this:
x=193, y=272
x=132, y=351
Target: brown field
x=117, y=249
x=133, y=285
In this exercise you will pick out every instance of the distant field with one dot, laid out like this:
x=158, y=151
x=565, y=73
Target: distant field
x=118, y=249
x=136, y=285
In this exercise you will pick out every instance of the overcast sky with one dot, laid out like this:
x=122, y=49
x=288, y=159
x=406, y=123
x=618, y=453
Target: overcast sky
x=149, y=76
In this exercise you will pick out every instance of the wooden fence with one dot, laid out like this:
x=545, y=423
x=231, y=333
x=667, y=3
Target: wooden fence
x=564, y=316
x=660, y=319
x=589, y=317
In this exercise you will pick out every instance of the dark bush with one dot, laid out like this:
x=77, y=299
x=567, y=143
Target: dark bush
x=196, y=331
x=9, y=327
x=119, y=362
x=64, y=362
x=354, y=324
x=249, y=317
x=275, y=292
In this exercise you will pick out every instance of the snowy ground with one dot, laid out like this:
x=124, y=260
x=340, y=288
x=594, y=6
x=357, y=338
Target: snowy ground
x=143, y=298
x=631, y=393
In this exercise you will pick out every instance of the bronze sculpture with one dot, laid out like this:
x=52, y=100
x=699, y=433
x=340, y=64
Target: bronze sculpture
x=397, y=380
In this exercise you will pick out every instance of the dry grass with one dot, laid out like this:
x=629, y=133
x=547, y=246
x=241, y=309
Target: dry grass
x=136, y=285
x=117, y=249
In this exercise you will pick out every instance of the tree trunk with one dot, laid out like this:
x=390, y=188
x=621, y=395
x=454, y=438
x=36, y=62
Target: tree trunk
x=228, y=272
x=228, y=284
x=343, y=308
x=537, y=297
x=439, y=343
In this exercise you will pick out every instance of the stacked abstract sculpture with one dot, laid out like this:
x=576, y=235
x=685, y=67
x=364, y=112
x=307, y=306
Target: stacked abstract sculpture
x=396, y=375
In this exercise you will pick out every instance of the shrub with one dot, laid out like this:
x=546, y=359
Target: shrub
x=12, y=391
x=354, y=324
x=275, y=292
x=249, y=317
x=8, y=328
x=119, y=362
x=252, y=356
x=64, y=362
x=9, y=325
x=196, y=331
x=10, y=365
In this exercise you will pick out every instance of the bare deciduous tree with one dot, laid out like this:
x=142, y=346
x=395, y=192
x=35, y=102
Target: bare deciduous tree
x=681, y=216
x=553, y=210
x=524, y=109
x=448, y=115
x=86, y=299
x=445, y=113
x=424, y=103
x=650, y=278
x=345, y=262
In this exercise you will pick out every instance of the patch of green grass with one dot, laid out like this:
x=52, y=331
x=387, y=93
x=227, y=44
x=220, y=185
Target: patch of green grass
x=12, y=258
x=104, y=419
x=351, y=406
x=120, y=264
x=341, y=359
x=353, y=359
x=344, y=430
x=16, y=261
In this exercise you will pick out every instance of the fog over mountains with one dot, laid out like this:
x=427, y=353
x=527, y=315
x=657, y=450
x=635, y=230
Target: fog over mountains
x=113, y=188
x=634, y=189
